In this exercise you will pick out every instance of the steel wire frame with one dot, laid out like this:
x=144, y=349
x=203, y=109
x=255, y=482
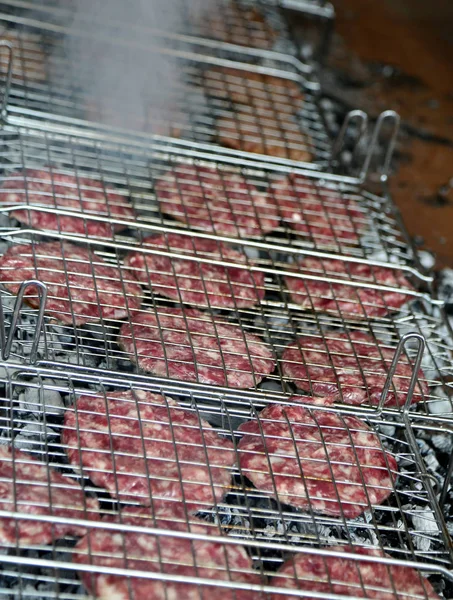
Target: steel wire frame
x=56, y=99
x=300, y=532
x=266, y=34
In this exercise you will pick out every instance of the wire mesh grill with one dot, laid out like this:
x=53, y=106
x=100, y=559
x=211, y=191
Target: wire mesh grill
x=242, y=22
x=55, y=85
x=167, y=186
x=242, y=520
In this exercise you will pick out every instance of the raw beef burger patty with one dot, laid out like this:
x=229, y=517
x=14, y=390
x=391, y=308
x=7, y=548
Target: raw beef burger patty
x=68, y=192
x=163, y=554
x=193, y=346
x=193, y=282
x=350, y=577
x=109, y=437
x=81, y=287
x=318, y=458
x=318, y=212
x=216, y=200
x=31, y=487
x=346, y=299
x=351, y=366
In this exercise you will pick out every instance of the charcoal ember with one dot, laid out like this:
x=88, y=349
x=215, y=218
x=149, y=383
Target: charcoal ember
x=40, y=583
x=271, y=385
x=443, y=442
x=445, y=288
x=425, y=525
x=103, y=332
x=36, y=437
x=276, y=330
x=80, y=358
x=441, y=403
x=42, y=400
x=430, y=459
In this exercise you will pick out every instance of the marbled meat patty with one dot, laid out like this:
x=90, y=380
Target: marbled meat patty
x=52, y=189
x=314, y=458
x=194, y=282
x=347, y=300
x=321, y=213
x=249, y=131
x=81, y=287
x=351, y=366
x=163, y=554
x=186, y=459
x=31, y=487
x=347, y=577
x=216, y=200
x=194, y=346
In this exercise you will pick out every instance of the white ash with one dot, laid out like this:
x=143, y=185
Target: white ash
x=42, y=401
x=429, y=457
x=271, y=385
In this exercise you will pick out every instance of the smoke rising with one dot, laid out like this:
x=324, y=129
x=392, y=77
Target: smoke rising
x=114, y=49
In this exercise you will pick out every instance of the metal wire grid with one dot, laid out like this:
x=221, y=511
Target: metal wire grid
x=243, y=22
x=134, y=173
x=247, y=517
x=275, y=319
x=65, y=93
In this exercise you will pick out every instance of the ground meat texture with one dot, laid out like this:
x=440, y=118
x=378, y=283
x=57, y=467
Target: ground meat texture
x=351, y=366
x=81, y=287
x=163, y=554
x=193, y=346
x=29, y=60
x=236, y=24
x=349, y=577
x=319, y=459
x=194, y=282
x=31, y=487
x=250, y=131
x=61, y=191
x=346, y=299
x=186, y=459
x=254, y=89
x=213, y=200
x=319, y=212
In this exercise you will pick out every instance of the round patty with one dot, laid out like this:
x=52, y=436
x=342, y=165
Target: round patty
x=88, y=197
x=319, y=459
x=318, y=212
x=186, y=459
x=254, y=89
x=193, y=346
x=81, y=287
x=163, y=554
x=194, y=282
x=213, y=200
x=347, y=577
x=236, y=24
x=250, y=131
x=348, y=299
x=351, y=366
x=31, y=487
